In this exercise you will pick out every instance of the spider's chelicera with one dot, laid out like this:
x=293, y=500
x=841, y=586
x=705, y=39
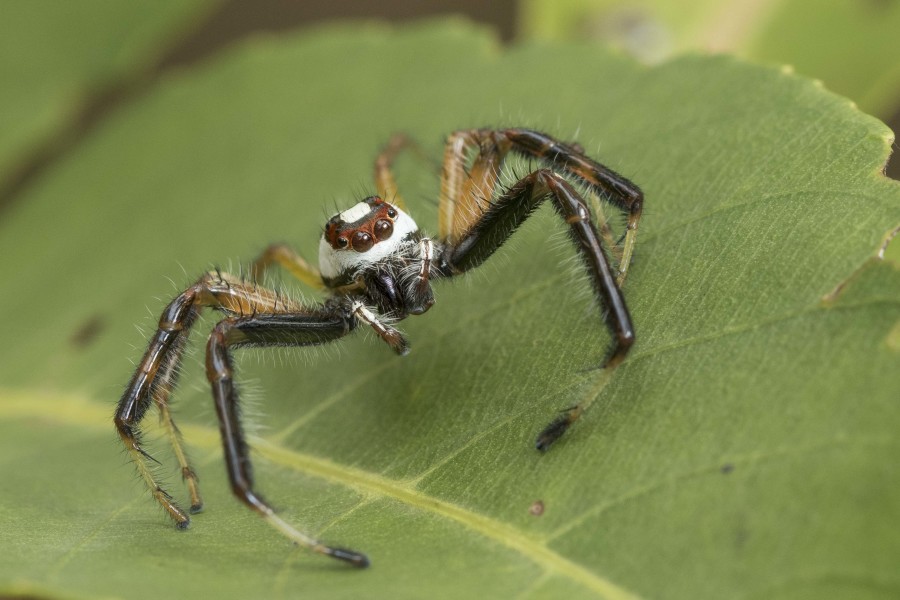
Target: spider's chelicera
x=377, y=268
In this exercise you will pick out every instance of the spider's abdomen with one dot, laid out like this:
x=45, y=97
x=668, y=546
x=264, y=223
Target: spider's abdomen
x=362, y=236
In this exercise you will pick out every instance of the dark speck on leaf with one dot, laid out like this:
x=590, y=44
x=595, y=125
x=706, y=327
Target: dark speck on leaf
x=88, y=332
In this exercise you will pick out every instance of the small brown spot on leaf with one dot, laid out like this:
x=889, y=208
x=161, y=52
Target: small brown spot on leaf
x=536, y=508
x=88, y=332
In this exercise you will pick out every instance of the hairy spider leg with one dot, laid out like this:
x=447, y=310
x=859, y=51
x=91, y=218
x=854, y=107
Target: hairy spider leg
x=307, y=328
x=165, y=381
x=155, y=378
x=615, y=188
x=153, y=381
x=466, y=192
x=258, y=317
x=610, y=242
x=188, y=475
x=289, y=260
x=504, y=216
x=385, y=183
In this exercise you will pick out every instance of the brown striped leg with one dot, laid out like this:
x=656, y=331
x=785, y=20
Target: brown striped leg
x=453, y=178
x=504, y=216
x=188, y=475
x=385, y=183
x=153, y=380
x=298, y=329
x=466, y=191
x=288, y=259
x=156, y=375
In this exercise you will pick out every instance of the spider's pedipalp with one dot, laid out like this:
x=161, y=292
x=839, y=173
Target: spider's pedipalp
x=396, y=340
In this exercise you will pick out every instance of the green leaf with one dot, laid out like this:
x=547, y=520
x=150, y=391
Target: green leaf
x=53, y=54
x=745, y=448
x=850, y=45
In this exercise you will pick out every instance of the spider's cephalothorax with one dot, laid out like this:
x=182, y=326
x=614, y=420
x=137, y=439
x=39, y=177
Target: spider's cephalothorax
x=375, y=249
x=377, y=269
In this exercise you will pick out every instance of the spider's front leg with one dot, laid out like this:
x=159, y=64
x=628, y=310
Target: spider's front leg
x=258, y=317
x=305, y=328
x=502, y=217
x=156, y=376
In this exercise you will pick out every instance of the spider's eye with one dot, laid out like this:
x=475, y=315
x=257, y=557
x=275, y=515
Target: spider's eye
x=362, y=241
x=392, y=213
x=383, y=229
x=342, y=242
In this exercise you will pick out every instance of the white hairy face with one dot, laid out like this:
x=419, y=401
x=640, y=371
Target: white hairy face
x=363, y=235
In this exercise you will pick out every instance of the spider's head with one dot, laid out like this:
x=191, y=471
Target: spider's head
x=363, y=235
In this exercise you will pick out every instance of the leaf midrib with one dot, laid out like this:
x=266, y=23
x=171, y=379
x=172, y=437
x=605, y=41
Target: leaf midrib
x=82, y=412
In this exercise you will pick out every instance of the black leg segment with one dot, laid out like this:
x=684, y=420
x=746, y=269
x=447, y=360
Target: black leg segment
x=300, y=329
x=504, y=216
x=570, y=159
x=508, y=212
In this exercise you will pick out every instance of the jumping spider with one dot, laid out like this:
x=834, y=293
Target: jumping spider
x=377, y=268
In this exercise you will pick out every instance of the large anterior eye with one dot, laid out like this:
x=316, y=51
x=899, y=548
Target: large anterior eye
x=362, y=241
x=383, y=229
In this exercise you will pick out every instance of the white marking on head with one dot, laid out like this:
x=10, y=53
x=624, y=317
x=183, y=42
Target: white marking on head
x=355, y=213
x=333, y=262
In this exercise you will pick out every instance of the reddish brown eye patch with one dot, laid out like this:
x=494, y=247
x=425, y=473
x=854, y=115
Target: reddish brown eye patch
x=365, y=230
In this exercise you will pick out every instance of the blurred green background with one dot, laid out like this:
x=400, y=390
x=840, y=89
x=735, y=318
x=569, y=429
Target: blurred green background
x=66, y=65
